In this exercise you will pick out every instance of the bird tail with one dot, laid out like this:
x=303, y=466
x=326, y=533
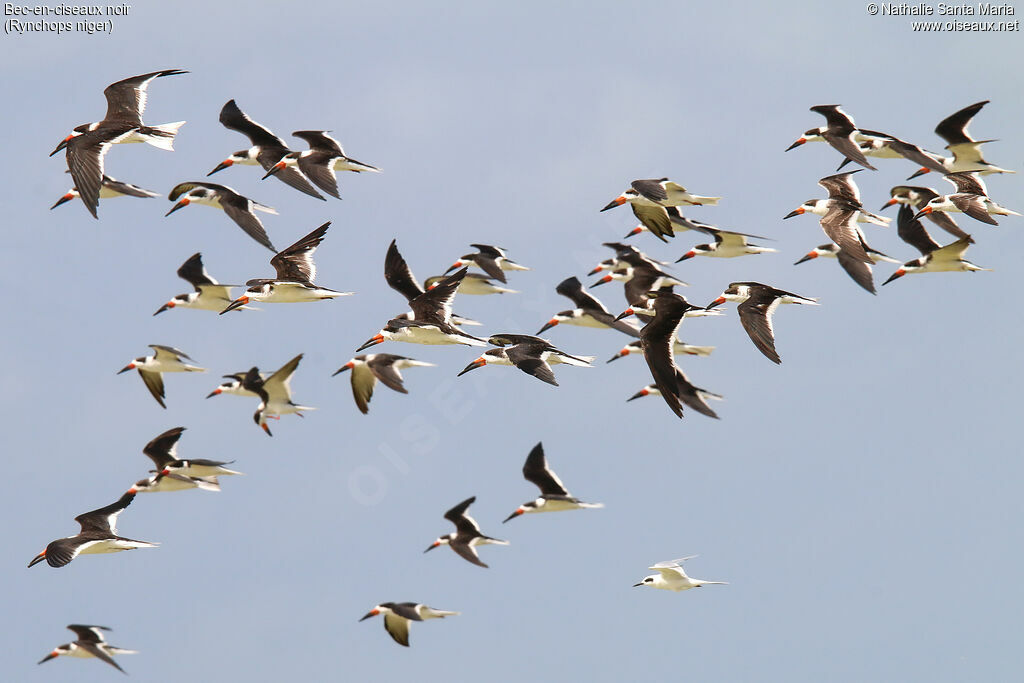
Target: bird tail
x=163, y=136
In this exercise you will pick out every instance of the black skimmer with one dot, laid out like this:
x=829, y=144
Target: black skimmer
x=466, y=536
x=727, y=244
x=320, y=161
x=90, y=643
x=209, y=295
x=663, y=222
x=858, y=270
x=840, y=213
x=399, y=277
x=840, y=132
x=241, y=210
x=491, y=260
x=671, y=577
x=625, y=255
x=431, y=320
x=554, y=497
x=109, y=187
x=164, y=359
x=971, y=198
x=98, y=535
x=171, y=481
x=295, y=273
x=397, y=616
x=88, y=143
x=678, y=347
x=474, y=284
x=640, y=281
x=657, y=340
x=917, y=198
x=275, y=393
x=267, y=149
x=885, y=146
x=233, y=386
x=589, y=312
x=386, y=367
x=659, y=192
x=965, y=149
x=692, y=396
x=934, y=259
x=532, y=355
x=757, y=304
x=162, y=450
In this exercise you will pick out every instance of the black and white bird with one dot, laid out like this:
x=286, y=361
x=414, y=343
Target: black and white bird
x=657, y=340
x=934, y=259
x=164, y=359
x=88, y=143
x=397, y=616
x=162, y=450
x=589, y=312
x=492, y=260
x=233, y=386
x=209, y=295
x=320, y=162
x=690, y=395
x=474, y=284
x=671, y=577
x=169, y=481
x=678, y=347
x=659, y=192
x=241, y=210
x=466, y=536
x=98, y=535
x=917, y=198
x=554, y=497
x=757, y=304
x=267, y=149
x=841, y=212
x=430, y=321
x=532, y=355
x=109, y=188
x=369, y=368
x=859, y=271
x=840, y=132
x=727, y=244
x=971, y=198
x=295, y=274
x=966, y=150
x=662, y=221
x=275, y=393
x=89, y=643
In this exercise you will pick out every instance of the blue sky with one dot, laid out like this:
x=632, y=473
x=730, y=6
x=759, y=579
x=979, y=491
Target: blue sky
x=861, y=499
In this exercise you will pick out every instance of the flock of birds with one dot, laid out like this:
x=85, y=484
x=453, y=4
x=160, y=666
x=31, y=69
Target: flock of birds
x=648, y=288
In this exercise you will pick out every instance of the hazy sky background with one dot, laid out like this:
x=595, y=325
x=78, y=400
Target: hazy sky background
x=863, y=498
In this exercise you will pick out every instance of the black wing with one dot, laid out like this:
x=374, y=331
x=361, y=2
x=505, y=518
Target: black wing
x=657, y=338
x=232, y=117
x=88, y=633
x=572, y=288
x=318, y=168
x=911, y=231
x=435, y=305
x=527, y=358
x=98, y=652
x=651, y=189
x=193, y=272
x=953, y=128
x=841, y=186
x=320, y=140
x=126, y=100
x=756, y=318
x=161, y=450
x=154, y=381
x=536, y=471
x=398, y=274
x=295, y=263
x=463, y=523
x=655, y=219
x=104, y=520
x=840, y=224
x=858, y=270
x=239, y=209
